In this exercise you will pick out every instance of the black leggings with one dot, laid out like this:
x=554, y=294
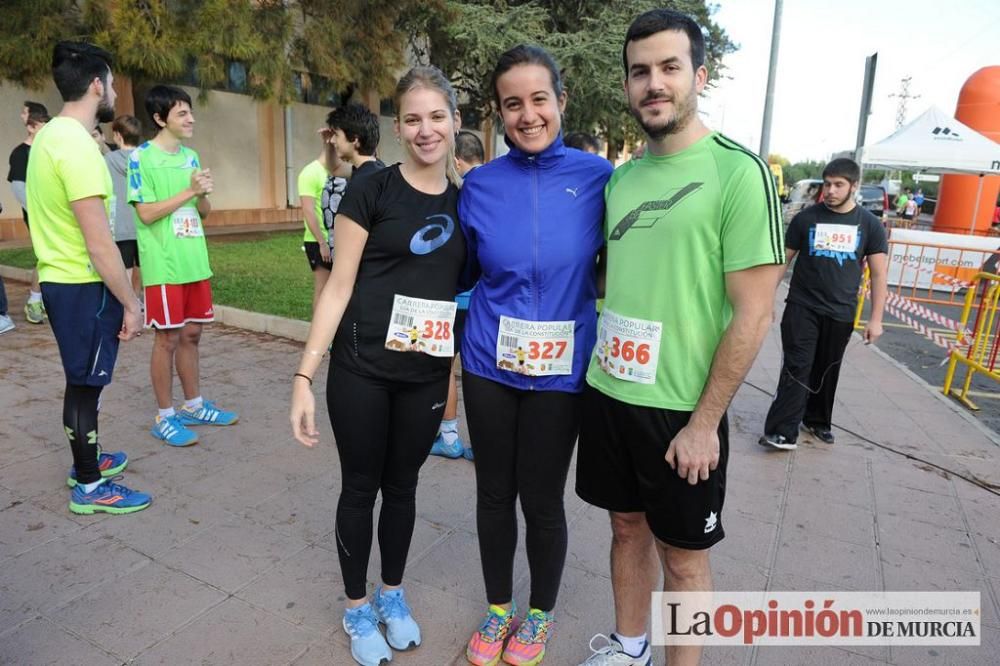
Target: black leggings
x=384, y=432
x=523, y=442
x=80, y=419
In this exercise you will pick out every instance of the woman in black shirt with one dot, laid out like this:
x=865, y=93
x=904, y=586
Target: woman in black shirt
x=389, y=308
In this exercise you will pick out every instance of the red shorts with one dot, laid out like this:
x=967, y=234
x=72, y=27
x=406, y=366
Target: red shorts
x=173, y=305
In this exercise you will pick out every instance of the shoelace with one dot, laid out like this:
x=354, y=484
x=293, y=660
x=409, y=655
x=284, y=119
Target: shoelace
x=534, y=630
x=610, y=649
x=394, y=606
x=110, y=487
x=359, y=625
x=490, y=631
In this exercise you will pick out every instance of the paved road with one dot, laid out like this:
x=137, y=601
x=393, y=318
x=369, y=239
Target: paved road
x=235, y=563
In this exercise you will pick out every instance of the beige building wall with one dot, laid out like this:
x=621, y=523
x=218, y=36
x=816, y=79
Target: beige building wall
x=12, y=133
x=240, y=139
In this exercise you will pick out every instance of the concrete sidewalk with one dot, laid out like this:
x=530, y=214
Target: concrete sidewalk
x=235, y=561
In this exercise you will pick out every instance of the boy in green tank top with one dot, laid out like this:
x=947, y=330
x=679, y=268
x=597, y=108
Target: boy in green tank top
x=169, y=190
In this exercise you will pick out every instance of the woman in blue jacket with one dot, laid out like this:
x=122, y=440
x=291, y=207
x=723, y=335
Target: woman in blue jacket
x=533, y=220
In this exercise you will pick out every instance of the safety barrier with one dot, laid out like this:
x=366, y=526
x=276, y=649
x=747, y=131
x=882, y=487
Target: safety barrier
x=977, y=346
x=936, y=274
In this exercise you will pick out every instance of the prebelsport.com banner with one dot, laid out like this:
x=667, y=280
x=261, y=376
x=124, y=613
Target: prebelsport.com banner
x=816, y=618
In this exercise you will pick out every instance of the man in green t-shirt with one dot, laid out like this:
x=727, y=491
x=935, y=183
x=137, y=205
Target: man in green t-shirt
x=326, y=172
x=90, y=304
x=694, y=253
x=170, y=192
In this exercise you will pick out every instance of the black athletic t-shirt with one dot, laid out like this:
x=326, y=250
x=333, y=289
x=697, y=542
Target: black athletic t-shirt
x=367, y=169
x=827, y=272
x=18, y=163
x=415, y=248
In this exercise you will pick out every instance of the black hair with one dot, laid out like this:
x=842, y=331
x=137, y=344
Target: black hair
x=843, y=167
x=356, y=121
x=659, y=20
x=582, y=141
x=37, y=113
x=159, y=101
x=469, y=148
x=526, y=54
x=130, y=128
x=75, y=65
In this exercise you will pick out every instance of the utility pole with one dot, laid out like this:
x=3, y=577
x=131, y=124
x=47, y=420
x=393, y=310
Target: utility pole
x=903, y=95
x=765, y=130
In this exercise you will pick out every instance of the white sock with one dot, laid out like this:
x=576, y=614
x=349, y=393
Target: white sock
x=89, y=487
x=194, y=404
x=34, y=296
x=633, y=645
x=166, y=413
x=449, y=430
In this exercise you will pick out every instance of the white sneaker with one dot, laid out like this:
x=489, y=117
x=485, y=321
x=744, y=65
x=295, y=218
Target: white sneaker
x=611, y=653
x=6, y=324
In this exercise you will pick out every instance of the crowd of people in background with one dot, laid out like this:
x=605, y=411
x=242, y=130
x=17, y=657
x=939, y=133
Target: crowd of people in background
x=447, y=261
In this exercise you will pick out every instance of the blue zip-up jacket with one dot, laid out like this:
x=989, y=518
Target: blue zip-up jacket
x=534, y=225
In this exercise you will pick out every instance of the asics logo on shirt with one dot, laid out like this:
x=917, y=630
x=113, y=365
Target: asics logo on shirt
x=431, y=237
x=649, y=221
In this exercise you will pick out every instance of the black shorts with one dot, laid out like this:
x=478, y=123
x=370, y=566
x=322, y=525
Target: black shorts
x=315, y=258
x=459, y=327
x=130, y=252
x=620, y=467
x=85, y=320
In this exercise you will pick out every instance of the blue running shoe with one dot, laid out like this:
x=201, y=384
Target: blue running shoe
x=446, y=450
x=367, y=645
x=207, y=414
x=401, y=629
x=173, y=432
x=108, y=497
x=467, y=453
x=110, y=464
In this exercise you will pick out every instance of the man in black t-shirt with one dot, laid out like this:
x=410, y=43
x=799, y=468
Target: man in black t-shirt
x=34, y=116
x=832, y=239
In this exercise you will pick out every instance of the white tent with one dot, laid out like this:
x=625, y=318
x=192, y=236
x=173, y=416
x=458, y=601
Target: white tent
x=937, y=143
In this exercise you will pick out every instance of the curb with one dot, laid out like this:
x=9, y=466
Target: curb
x=282, y=327
x=936, y=392
x=12, y=273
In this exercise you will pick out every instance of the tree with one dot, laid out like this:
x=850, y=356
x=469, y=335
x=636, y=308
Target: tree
x=357, y=44
x=585, y=36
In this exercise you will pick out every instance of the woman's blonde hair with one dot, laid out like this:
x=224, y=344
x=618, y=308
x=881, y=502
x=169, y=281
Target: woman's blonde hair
x=431, y=78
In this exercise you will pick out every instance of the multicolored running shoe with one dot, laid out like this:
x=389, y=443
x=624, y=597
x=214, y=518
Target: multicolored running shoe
x=110, y=464
x=486, y=644
x=527, y=647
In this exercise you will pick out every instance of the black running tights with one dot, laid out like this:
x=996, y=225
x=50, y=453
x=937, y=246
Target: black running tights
x=522, y=442
x=80, y=420
x=384, y=432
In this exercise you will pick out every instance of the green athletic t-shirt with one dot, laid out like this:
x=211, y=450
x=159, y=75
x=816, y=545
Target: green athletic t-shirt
x=173, y=248
x=312, y=180
x=675, y=225
x=65, y=165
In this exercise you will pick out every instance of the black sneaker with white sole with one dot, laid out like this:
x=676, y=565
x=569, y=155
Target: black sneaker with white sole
x=778, y=442
x=823, y=435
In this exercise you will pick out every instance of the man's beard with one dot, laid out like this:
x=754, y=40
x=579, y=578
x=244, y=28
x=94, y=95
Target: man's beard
x=684, y=110
x=105, y=112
